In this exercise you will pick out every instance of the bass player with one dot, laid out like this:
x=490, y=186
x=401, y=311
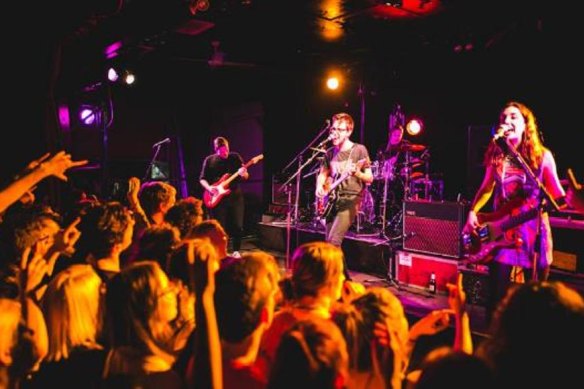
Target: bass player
x=507, y=181
x=229, y=212
x=350, y=162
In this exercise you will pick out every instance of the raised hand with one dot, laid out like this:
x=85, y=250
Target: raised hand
x=59, y=163
x=33, y=268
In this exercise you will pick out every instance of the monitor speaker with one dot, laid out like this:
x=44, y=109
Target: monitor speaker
x=434, y=227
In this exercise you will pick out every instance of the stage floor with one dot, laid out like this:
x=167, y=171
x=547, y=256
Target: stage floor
x=375, y=260
x=371, y=261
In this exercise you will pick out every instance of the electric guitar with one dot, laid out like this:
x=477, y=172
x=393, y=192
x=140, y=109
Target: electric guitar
x=326, y=203
x=222, y=185
x=496, y=230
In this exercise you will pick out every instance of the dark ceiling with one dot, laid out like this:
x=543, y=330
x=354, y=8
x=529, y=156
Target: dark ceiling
x=398, y=42
x=456, y=61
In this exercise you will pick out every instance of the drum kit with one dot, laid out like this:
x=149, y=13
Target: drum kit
x=395, y=182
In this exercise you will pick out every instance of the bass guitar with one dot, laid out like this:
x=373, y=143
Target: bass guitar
x=496, y=231
x=326, y=203
x=222, y=185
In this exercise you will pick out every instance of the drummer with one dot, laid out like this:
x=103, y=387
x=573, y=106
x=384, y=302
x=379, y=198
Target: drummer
x=391, y=155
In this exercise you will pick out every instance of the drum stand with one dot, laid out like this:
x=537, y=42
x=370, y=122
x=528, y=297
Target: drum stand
x=389, y=277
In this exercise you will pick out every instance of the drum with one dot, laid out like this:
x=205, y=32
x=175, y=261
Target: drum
x=367, y=207
x=382, y=169
x=388, y=170
x=376, y=169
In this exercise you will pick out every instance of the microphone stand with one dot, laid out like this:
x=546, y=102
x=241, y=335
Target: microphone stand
x=149, y=168
x=547, y=197
x=297, y=176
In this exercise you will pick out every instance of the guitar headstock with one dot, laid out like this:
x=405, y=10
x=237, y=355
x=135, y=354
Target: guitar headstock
x=257, y=158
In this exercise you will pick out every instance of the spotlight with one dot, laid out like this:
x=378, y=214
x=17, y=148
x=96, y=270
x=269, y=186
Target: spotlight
x=89, y=115
x=414, y=126
x=198, y=5
x=113, y=75
x=129, y=77
x=332, y=83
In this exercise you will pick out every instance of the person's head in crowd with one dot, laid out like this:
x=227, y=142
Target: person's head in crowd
x=212, y=230
x=245, y=296
x=140, y=305
x=158, y=243
x=370, y=360
x=317, y=270
x=312, y=354
x=24, y=227
x=34, y=227
x=185, y=214
x=71, y=306
x=445, y=367
x=106, y=231
x=156, y=198
x=539, y=323
x=209, y=230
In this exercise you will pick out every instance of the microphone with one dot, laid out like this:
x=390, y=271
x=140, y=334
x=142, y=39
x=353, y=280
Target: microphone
x=502, y=132
x=328, y=138
x=166, y=140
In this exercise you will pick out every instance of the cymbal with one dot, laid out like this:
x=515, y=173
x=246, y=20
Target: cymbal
x=411, y=147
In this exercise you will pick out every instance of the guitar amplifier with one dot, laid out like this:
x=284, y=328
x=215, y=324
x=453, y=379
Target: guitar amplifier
x=434, y=227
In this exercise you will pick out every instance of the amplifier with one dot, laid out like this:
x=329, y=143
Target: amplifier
x=434, y=227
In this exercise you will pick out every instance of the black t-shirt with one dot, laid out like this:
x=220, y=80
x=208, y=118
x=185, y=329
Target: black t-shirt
x=337, y=161
x=214, y=167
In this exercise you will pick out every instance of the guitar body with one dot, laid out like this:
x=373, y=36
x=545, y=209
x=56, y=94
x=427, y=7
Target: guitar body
x=222, y=185
x=211, y=200
x=497, y=231
x=326, y=204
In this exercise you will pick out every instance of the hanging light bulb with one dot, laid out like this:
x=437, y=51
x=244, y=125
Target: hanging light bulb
x=414, y=126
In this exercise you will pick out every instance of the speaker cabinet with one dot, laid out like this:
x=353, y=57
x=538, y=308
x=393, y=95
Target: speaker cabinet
x=433, y=227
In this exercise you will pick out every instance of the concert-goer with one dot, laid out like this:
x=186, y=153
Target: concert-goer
x=341, y=180
x=514, y=151
x=229, y=210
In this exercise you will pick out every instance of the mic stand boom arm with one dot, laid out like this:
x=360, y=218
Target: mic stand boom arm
x=322, y=131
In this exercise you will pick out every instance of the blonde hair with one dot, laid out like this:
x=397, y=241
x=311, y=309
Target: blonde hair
x=71, y=306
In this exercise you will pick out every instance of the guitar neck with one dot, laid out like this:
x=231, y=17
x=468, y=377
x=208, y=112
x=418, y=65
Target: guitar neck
x=513, y=221
x=234, y=175
x=231, y=178
x=338, y=181
x=344, y=176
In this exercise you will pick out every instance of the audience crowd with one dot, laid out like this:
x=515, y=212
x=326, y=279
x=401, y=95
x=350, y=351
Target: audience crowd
x=143, y=293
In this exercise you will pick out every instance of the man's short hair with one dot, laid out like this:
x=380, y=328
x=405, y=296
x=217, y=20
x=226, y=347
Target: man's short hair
x=220, y=141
